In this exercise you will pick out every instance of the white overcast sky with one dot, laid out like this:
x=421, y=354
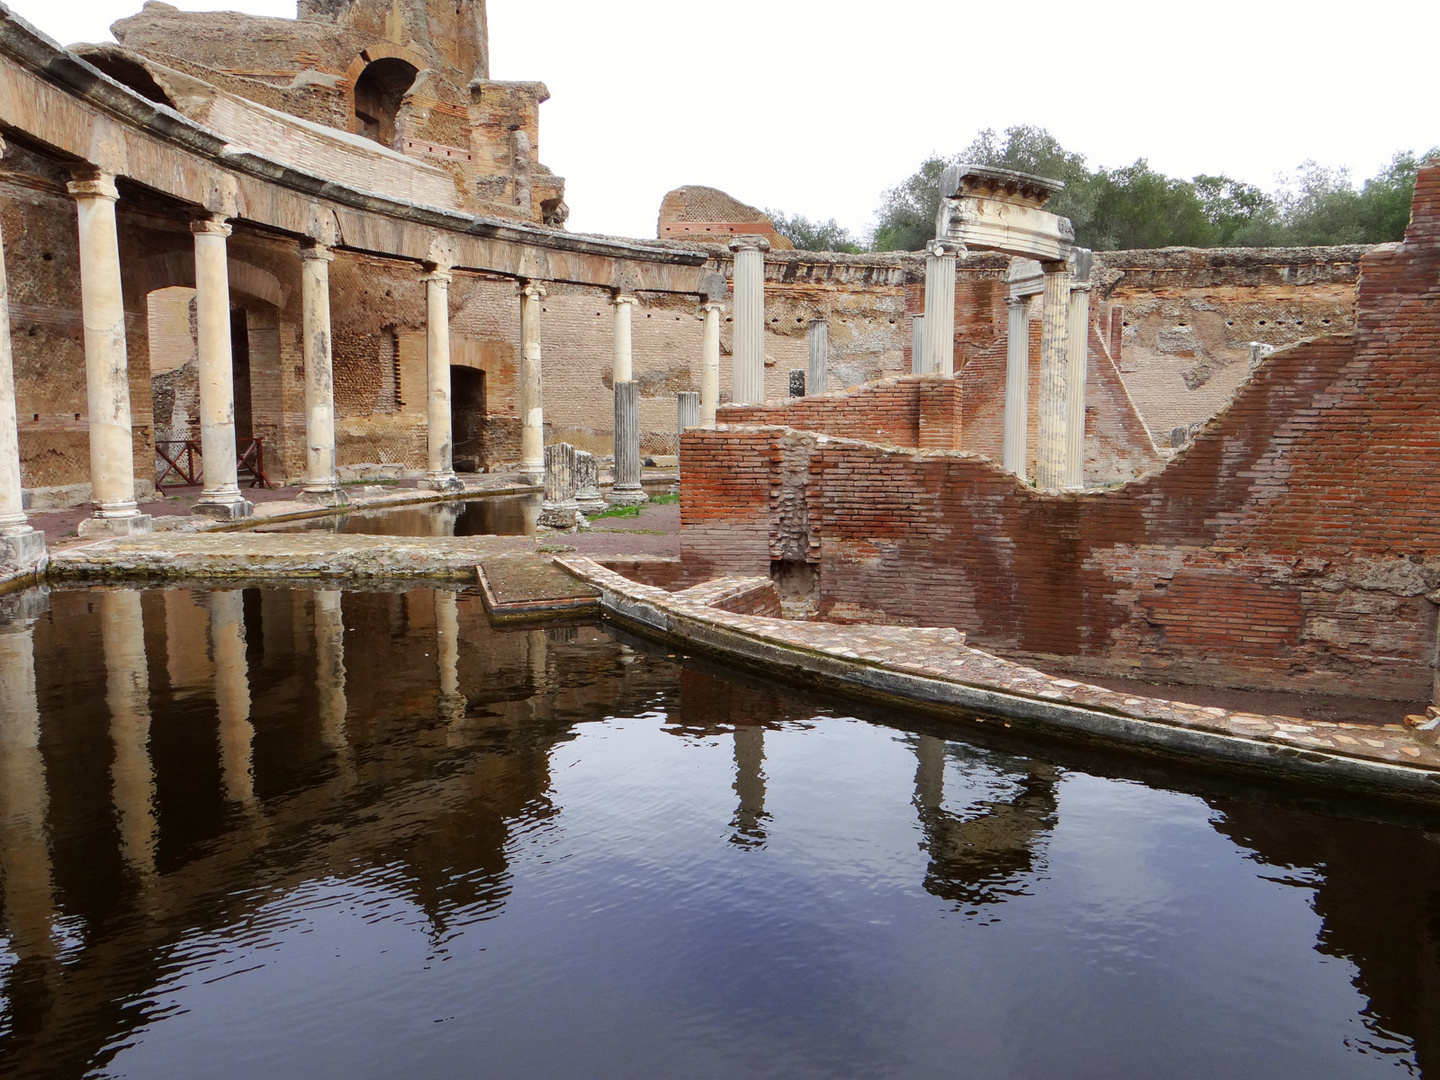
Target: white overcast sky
x=817, y=106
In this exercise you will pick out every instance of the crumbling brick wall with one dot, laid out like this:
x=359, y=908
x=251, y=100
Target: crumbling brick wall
x=1293, y=545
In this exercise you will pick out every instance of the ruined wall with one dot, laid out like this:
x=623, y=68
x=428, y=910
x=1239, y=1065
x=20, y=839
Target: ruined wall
x=1293, y=545
x=1187, y=317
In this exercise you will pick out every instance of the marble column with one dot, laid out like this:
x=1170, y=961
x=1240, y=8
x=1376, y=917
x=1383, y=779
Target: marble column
x=1017, y=387
x=330, y=672
x=532, y=393
x=1077, y=356
x=626, y=490
x=817, y=379
x=232, y=694
x=1054, y=361
x=107, y=374
x=452, y=704
x=918, y=363
x=439, y=466
x=21, y=547
x=940, y=258
x=127, y=692
x=25, y=865
x=322, y=483
x=687, y=411
x=220, y=497
x=709, y=362
x=748, y=350
x=624, y=317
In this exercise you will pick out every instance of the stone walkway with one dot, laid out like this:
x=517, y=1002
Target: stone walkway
x=934, y=668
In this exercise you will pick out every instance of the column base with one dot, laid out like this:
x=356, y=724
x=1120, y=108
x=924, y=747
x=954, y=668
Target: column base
x=442, y=483
x=134, y=525
x=565, y=516
x=22, y=550
x=223, y=511
x=532, y=473
x=627, y=496
x=590, y=500
x=331, y=496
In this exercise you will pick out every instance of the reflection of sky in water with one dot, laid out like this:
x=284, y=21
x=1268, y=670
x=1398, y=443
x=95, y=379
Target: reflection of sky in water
x=637, y=941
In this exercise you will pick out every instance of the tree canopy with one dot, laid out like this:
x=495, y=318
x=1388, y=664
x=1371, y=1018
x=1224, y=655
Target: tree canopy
x=1135, y=206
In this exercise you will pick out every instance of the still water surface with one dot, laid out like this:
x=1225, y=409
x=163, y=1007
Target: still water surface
x=495, y=515
x=295, y=834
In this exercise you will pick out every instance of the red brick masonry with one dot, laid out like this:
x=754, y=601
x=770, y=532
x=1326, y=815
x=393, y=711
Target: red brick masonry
x=1294, y=544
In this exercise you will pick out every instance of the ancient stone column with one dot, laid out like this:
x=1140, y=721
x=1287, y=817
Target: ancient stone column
x=532, y=396
x=107, y=375
x=587, y=483
x=439, y=464
x=562, y=483
x=687, y=411
x=25, y=866
x=709, y=363
x=322, y=484
x=626, y=490
x=918, y=364
x=624, y=314
x=127, y=692
x=232, y=694
x=220, y=497
x=1054, y=361
x=940, y=258
x=1077, y=348
x=748, y=351
x=818, y=372
x=451, y=704
x=20, y=545
x=1017, y=387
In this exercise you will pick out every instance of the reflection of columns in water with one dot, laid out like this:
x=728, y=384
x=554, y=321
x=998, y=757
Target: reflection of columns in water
x=929, y=773
x=127, y=692
x=24, y=802
x=451, y=705
x=232, y=694
x=443, y=517
x=749, y=786
x=330, y=670
x=537, y=655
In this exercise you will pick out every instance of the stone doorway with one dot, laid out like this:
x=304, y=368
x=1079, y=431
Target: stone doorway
x=467, y=418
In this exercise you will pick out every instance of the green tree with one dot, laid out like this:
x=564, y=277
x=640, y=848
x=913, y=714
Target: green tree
x=908, y=212
x=810, y=235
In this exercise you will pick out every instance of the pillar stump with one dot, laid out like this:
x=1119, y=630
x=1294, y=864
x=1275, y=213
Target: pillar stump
x=818, y=370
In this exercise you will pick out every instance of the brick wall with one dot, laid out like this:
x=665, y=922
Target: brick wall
x=1295, y=544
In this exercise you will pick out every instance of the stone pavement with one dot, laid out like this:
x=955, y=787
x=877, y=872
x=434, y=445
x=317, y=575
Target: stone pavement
x=933, y=669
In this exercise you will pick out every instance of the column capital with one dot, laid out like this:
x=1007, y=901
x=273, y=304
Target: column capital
x=1014, y=301
x=533, y=290
x=316, y=252
x=441, y=275
x=749, y=242
x=1050, y=267
x=710, y=305
x=941, y=248
x=94, y=184
x=622, y=298
x=1081, y=286
x=211, y=225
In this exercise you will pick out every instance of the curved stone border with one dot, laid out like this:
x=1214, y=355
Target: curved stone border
x=932, y=670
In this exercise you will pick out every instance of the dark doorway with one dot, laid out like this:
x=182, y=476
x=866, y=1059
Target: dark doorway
x=467, y=418
x=240, y=358
x=378, y=94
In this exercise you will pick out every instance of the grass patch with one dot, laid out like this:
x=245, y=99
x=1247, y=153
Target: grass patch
x=664, y=500
x=616, y=512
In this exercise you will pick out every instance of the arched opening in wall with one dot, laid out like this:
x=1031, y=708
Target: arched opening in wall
x=175, y=380
x=379, y=92
x=467, y=418
x=129, y=73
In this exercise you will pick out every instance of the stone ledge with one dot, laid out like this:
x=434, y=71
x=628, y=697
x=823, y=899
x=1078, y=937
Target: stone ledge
x=932, y=670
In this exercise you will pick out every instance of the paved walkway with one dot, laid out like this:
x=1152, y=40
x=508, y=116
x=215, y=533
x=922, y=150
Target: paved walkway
x=933, y=669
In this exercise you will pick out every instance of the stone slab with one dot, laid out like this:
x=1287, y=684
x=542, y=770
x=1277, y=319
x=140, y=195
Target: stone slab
x=527, y=586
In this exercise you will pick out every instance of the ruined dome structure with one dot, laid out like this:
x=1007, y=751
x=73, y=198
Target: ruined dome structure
x=408, y=79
